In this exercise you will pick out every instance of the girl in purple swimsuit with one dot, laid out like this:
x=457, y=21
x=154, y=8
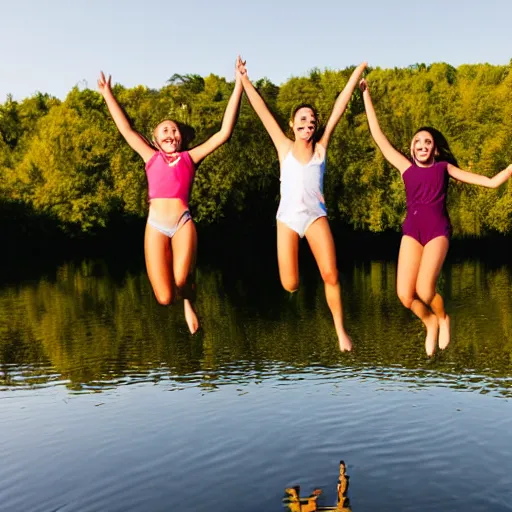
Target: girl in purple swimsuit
x=170, y=240
x=426, y=229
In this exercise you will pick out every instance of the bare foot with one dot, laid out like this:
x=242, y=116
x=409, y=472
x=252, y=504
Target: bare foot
x=190, y=316
x=444, y=332
x=344, y=342
x=432, y=332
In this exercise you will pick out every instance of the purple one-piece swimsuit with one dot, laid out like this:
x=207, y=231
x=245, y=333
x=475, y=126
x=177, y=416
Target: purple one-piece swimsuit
x=425, y=190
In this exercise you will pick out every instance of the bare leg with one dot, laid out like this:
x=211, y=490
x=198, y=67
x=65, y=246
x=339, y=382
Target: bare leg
x=409, y=260
x=158, y=255
x=434, y=254
x=288, y=256
x=184, y=246
x=437, y=306
x=320, y=240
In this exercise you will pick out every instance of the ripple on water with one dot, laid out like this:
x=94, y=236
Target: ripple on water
x=265, y=399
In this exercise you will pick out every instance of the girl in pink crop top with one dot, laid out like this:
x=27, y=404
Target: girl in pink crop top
x=170, y=179
x=170, y=240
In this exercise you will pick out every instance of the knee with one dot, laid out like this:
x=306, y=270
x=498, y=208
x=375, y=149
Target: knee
x=406, y=299
x=330, y=277
x=290, y=285
x=163, y=297
x=180, y=281
x=425, y=294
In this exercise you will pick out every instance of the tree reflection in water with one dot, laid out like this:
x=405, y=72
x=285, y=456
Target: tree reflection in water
x=90, y=328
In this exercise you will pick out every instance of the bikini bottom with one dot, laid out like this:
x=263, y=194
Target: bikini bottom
x=168, y=228
x=300, y=221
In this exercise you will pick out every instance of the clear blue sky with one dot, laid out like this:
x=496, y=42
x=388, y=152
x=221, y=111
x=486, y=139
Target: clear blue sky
x=52, y=45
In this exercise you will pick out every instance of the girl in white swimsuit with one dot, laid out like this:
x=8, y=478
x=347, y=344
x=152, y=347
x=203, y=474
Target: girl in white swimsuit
x=302, y=199
x=302, y=209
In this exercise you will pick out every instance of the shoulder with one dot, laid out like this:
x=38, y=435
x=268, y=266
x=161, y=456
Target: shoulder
x=287, y=158
x=187, y=159
x=411, y=166
x=186, y=155
x=443, y=166
x=153, y=158
x=320, y=153
x=283, y=152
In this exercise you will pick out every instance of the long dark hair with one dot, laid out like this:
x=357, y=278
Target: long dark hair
x=442, y=149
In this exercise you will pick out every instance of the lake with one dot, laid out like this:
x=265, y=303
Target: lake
x=108, y=404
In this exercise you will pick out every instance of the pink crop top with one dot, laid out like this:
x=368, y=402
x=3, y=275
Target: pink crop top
x=170, y=180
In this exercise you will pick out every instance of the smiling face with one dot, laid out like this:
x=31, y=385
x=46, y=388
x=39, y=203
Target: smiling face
x=423, y=148
x=304, y=124
x=168, y=137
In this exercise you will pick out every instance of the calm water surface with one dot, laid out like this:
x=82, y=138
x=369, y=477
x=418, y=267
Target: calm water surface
x=108, y=404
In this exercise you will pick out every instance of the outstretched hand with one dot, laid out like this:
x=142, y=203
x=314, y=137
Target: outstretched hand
x=363, y=85
x=104, y=83
x=240, y=69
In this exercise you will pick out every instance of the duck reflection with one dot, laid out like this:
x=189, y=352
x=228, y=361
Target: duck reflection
x=296, y=503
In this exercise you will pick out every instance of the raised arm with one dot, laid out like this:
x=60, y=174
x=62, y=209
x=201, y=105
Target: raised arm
x=394, y=157
x=341, y=104
x=134, y=139
x=228, y=123
x=478, y=179
x=280, y=140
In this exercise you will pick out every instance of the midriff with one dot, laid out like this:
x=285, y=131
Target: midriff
x=168, y=208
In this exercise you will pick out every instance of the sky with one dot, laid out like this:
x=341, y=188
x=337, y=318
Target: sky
x=53, y=45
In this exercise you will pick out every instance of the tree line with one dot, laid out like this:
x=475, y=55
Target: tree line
x=64, y=166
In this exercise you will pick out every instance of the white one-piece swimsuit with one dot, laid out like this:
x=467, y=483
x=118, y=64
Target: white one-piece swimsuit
x=302, y=198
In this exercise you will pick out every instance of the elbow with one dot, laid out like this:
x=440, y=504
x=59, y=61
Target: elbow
x=224, y=136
